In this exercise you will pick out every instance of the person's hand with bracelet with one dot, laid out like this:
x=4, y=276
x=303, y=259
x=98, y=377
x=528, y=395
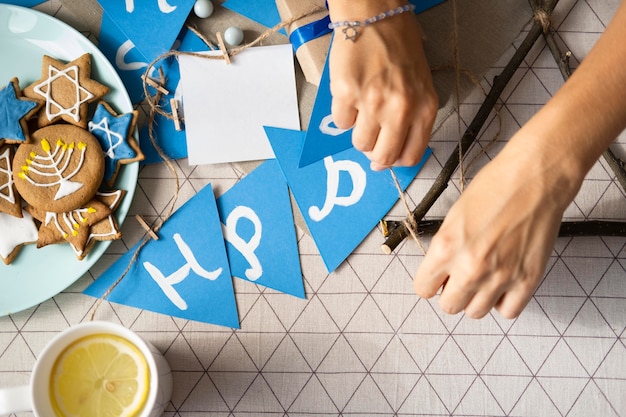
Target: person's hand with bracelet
x=380, y=80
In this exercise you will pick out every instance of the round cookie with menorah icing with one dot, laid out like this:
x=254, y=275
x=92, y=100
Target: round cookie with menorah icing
x=60, y=170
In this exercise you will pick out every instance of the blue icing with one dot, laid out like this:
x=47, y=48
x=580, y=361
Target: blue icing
x=12, y=110
x=112, y=132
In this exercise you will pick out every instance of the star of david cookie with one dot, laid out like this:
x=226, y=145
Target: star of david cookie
x=61, y=169
x=115, y=134
x=67, y=90
x=10, y=201
x=15, y=110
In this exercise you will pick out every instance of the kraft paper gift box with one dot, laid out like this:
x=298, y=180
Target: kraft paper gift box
x=312, y=54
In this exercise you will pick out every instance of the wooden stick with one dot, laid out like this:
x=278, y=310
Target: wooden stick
x=175, y=115
x=222, y=46
x=155, y=85
x=145, y=226
x=468, y=138
x=562, y=59
x=567, y=229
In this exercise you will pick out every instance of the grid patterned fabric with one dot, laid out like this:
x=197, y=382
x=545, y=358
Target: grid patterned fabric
x=362, y=344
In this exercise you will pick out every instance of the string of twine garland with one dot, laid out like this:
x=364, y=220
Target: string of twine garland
x=155, y=108
x=153, y=102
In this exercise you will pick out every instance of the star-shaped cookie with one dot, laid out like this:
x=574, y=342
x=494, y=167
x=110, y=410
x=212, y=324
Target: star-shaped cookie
x=107, y=228
x=115, y=134
x=67, y=90
x=15, y=110
x=72, y=226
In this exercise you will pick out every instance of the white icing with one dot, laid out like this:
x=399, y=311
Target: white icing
x=66, y=223
x=114, y=139
x=6, y=189
x=105, y=194
x=55, y=164
x=82, y=94
x=15, y=231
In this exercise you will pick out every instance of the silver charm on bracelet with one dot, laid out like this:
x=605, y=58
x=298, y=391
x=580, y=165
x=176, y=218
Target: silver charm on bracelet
x=350, y=28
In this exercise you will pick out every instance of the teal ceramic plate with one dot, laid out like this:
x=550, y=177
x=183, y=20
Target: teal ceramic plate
x=25, y=36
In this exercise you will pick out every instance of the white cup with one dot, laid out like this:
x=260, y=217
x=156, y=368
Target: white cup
x=36, y=397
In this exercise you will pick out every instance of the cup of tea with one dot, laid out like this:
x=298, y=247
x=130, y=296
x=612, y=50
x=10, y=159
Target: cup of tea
x=91, y=369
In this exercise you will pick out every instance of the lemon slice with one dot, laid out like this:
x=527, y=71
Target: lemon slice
x=100, y=375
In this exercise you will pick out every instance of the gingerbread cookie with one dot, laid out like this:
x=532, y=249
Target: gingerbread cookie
x=15, y=110
x=115, y=134
x=10, y=201
x=61, y=169
x=105, y=229
x=67, y=90
x=73, y=226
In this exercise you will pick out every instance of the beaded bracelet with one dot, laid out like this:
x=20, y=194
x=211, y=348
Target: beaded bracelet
x=350, y=27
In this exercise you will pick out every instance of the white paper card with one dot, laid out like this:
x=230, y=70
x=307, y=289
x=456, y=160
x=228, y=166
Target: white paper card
x=226, y=106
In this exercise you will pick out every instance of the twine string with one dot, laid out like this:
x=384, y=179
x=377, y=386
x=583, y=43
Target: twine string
x=544, y=18
x=146, y=238
x=154, y=104
x=409, y=221
x=457, y=88
x=154, y=101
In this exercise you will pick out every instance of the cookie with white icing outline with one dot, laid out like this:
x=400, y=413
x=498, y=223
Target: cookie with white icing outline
x=67, y=90
x=105, y=229
x=15, y=111
x=73, y=227
x=115, y=132
x=61, y=169
x=10, y=201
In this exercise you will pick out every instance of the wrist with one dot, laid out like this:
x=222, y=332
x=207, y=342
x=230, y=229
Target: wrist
x=541, y=159
x=360, y=9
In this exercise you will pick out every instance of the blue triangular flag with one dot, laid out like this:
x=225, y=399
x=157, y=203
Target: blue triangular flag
x=183, y=274
x=135, y=17
x=127, y=60
x=340, y=198
x=323, y=138
x=263, y=12
x=258, y=227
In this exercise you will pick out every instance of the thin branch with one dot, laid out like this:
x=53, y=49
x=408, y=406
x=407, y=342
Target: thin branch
x=562, y=60
x=567, y=229
x=470, y=135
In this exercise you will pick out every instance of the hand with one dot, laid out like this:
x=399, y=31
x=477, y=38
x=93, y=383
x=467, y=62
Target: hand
x=381, y=84
x=494, y=244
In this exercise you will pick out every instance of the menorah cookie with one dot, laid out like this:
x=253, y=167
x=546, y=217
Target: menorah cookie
x=15, y=111
x=67, y=90
x=61, y=170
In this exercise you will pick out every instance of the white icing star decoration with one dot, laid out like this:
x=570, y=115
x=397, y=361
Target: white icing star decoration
x=67, y=89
